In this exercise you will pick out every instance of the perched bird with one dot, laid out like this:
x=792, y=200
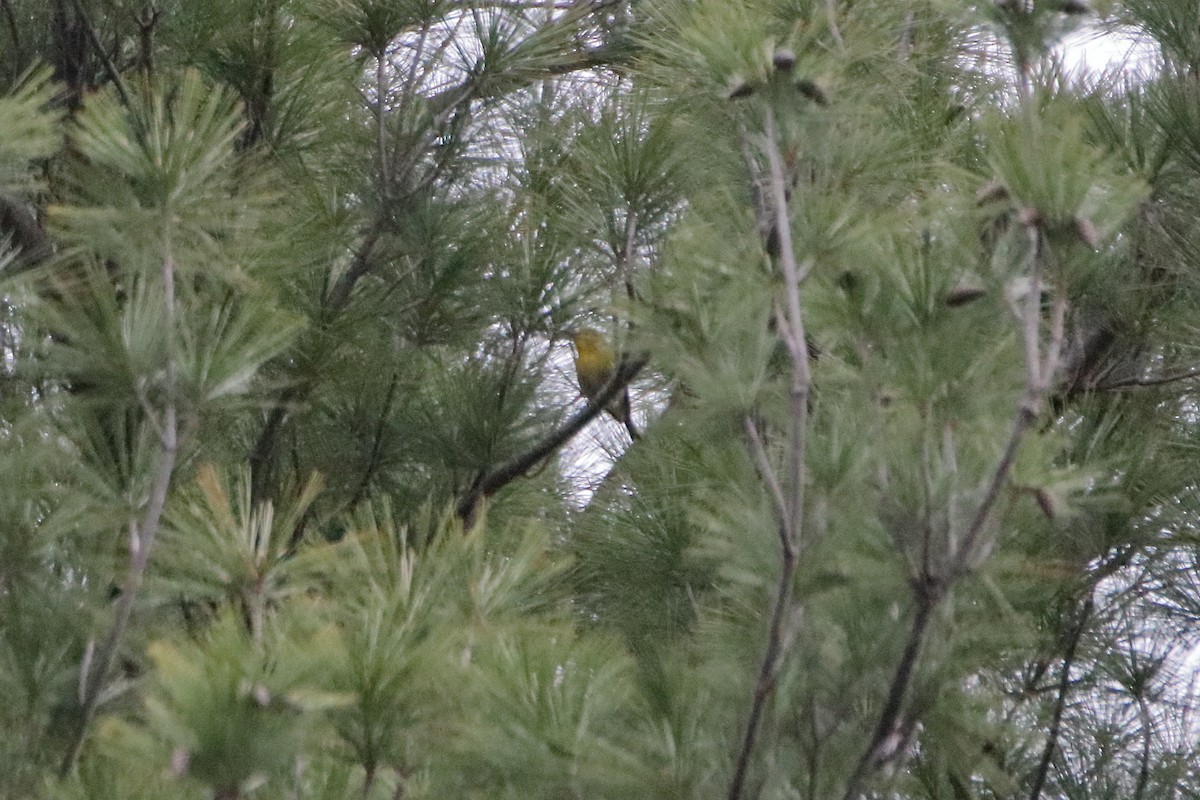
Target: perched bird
x=595, y=363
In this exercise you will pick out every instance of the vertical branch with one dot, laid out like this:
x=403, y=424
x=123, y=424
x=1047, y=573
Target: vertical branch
x=927, y=492
x=789, y=497
x=364, y=483
x=147, y=21
x=409, y=90
x=142, y=533
x=11, y=19
x=624, y=256
x=1147, y=741
x=381, y=93
x=792, y=328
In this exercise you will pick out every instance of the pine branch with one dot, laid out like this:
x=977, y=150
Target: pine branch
x=1160, y=380
x=142, y=535
x=487, y=484
x=334, y=301
x=376, y=443
x=930, y=589
x=101, y=53
x=11, y=19
x=790, y=501
x=24, y=232
x=1064, y=684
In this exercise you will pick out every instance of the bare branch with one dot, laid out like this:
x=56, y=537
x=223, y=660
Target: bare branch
x=1160, y=380
x=767, y=471
x=101, y=53
x=795, y=338
x=767, y=671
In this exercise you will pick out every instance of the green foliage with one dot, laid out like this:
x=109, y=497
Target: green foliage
x=29, y=131
x=236, y=714
x=297, y=276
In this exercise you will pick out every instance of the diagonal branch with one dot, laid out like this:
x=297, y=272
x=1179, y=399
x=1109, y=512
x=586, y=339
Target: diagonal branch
x=335, y=300
x=487, y=484
x=1158, y=380
x=881, y=746
x=373, y=459
x=142, y=533
x=101, y=53
x=1064, y=684
x=930, y=589
x=764, y=467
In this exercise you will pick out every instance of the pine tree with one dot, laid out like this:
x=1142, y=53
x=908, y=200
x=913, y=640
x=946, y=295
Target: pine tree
x=301, y=500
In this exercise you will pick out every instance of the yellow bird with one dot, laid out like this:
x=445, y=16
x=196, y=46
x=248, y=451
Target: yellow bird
x=595, y=363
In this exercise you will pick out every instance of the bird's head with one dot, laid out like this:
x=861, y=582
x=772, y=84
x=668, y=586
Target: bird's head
x=586, y=339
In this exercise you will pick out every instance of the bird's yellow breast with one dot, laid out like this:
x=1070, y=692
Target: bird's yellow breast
x=594, y=362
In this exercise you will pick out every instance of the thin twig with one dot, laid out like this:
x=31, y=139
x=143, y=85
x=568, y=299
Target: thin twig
x=926, y=492
x=1155, y=381
x=764, y=467
x=101, y=53
x=625, y=256
x=789, y=501
x=94, y=673
x=1064, y=684
x=381, y=93
x=12, y=29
